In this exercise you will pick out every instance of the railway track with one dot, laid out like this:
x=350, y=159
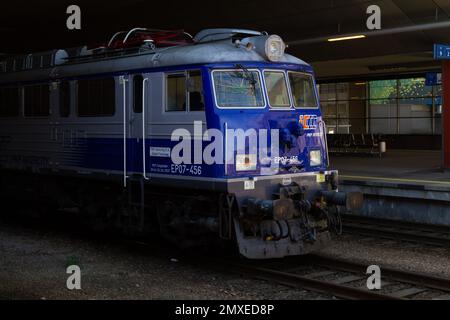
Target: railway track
x=344, y=279
x=397, y=230
x=330, y=277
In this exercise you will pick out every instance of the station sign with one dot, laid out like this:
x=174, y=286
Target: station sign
x=441, y=51
x=433, y=78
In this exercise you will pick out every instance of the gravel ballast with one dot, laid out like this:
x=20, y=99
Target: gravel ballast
x=33, y=266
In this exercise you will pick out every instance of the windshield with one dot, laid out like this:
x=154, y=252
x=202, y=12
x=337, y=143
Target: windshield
x=302, y=88
x=238, y=89
x=277, y=89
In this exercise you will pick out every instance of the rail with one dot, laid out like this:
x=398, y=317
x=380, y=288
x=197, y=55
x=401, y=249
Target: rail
x=342, y=278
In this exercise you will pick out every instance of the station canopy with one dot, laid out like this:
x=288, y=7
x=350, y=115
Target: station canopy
x=409, y=28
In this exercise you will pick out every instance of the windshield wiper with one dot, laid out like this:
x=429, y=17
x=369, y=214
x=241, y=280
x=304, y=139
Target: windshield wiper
x=248, y=75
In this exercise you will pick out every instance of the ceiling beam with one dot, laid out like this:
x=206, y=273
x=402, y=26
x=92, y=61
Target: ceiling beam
x=397, y=30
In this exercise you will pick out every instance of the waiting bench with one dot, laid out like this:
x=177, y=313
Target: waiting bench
x=357, y=144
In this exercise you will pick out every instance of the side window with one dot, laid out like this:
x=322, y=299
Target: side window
x=176, y=92
x=96, y=97
x=64, y=99
x=195, y=89
x=36, y=100
x=137, y=88
x=9, y=102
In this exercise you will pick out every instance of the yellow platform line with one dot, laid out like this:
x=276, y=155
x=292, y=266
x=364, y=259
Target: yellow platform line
x=396, y=179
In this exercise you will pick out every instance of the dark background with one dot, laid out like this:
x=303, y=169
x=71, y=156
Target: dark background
x=27, y=26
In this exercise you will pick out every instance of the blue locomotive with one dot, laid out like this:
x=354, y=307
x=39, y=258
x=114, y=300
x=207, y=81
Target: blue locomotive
x=217, y=136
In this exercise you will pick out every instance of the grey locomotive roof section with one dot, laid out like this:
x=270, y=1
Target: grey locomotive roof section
x=201, y=53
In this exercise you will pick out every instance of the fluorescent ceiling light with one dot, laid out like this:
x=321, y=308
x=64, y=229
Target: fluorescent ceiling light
x=358, y=36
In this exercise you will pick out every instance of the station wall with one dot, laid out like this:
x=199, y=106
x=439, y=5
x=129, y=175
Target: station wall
x=403, y=106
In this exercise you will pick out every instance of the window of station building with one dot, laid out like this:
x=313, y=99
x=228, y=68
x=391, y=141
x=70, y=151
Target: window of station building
x=344, y=106
x=36, y=100
x=96, y=97
x=327, y=91
x=383, y=107
x=386, y=106
x=137, y=93
x=9, y=102
x=342, y=91
x=277, y=89
x=383, y=89
x=413, y=87
x=184, y=91
x=64, y=99
x=383, y=116
x=415, y=106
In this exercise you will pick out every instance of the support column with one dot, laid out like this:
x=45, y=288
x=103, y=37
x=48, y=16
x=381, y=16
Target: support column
x=446, y=115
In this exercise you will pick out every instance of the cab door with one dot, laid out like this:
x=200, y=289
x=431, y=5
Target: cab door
x=136, y=129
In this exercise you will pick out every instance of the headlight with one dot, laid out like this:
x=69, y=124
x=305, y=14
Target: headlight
x=274, y=48
x=315, y=158
x=245, y=162
x=270, y=47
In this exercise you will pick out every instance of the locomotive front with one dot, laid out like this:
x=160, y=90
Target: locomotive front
x=281, y=197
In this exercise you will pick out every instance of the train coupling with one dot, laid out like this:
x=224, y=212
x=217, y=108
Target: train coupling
x=350, y=200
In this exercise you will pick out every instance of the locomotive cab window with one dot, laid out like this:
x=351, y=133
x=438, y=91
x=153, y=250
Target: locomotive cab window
x=302, y=88
x=96, y=97
x=64, y=99
x=176, y=92
x=238, y=89
x=277, y=89
x=195, y=91
x=9, y=102
x=36, y=100
x=184, y=91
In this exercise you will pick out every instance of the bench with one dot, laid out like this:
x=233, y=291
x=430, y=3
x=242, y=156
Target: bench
x=356, y=144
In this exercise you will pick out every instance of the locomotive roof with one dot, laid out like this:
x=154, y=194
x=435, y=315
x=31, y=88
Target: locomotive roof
x=212, y=52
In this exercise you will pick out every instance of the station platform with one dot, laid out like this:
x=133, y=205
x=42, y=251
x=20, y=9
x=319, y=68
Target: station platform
x=403, y=184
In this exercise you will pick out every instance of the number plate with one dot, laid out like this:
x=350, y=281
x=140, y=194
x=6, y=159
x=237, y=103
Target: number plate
x=320, y=178
x=249, y=184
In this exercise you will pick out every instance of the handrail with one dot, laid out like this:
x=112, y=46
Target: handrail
x=115, y=35
x=225, y=125
x=144, y=173
x=131, y=31
x=124, y=81
x=324, y=129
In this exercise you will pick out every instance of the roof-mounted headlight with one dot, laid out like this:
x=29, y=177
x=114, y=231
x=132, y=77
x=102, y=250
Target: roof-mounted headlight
x=270, y=47
x=274, y=48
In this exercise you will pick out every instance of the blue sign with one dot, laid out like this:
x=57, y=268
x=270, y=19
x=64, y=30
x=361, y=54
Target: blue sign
x=433, y=78
x=441, y=51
